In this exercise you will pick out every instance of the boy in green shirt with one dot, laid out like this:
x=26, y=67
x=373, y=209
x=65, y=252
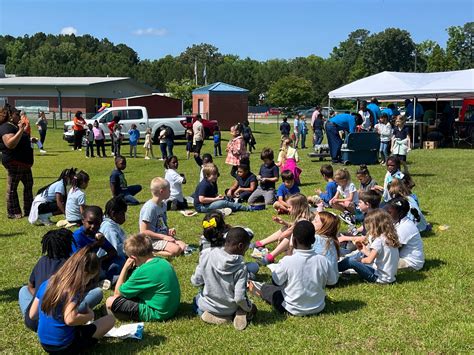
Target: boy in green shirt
x=152, y=292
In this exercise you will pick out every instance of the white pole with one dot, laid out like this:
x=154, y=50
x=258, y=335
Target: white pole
x=414, y=123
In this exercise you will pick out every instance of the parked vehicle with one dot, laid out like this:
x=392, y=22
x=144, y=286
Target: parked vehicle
x=274, y=111
x=130, y=115
x=209, y=125
x=467, y=111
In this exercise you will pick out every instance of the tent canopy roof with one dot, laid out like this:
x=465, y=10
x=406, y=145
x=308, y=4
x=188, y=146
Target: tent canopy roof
x=395, y=85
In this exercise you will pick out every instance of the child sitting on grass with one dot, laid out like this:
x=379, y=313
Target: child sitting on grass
x=64, y=326
x=331, y=188
x=267, y=176
x=368, y=201
x=206, y=196
x=346, y=197
x=412, y=256
x=382, y=251
x=176, y=201
x=88, y=235
x=118, y=183
x=285, y=190
x=115, y=214
x=244, y=184
x=56, y=248
x=153, y=221
x=222, y=274
x=299, y=279
x=152, y=291
x=367, y=183
x=326, y=244
x=298, y=209
x=76, y=198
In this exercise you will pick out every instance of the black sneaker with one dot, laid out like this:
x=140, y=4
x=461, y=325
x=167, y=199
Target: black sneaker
x=347, y=217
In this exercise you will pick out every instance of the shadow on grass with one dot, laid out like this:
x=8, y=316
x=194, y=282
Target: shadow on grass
x=129, y=346
x=423, y=175
x=9, y=294
x=8, y=235
x=345, y=306
x=433, y=264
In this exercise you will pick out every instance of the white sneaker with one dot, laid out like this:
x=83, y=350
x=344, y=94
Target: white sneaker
x=44, y=219
x=42, y=151
x=226, y=211
x=147, y=158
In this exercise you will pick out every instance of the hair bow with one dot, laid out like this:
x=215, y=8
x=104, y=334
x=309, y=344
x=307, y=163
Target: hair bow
x=209, y=224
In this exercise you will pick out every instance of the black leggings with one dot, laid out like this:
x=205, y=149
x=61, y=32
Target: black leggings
x=100, y=144
x=49, y=207
x=78, y=139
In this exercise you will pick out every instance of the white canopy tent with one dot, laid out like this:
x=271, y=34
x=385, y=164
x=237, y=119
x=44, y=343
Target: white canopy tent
x=398, y=86
x=395, y=86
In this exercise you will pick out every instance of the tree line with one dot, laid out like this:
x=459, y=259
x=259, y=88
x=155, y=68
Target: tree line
x=297, y=81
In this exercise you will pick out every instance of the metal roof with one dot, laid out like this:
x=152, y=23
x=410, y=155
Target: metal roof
x=219, y=87
x=57, y=81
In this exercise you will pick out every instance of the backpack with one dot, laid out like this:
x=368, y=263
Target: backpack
x=246, y=134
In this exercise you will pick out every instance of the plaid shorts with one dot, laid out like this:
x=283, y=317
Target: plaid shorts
x=17, y=173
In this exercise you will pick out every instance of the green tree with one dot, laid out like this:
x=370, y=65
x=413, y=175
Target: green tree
x=182, y=90
x=290, y=90
x=391, y=50
x=460, y=46
x=437, y=60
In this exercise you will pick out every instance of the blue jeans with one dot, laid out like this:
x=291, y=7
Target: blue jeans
x=384, y=150
x=334, y=141
x=169, y=146
x=221, y=204
x=196, y=309
x=303, y=140
x=92, y=299
x=163, y=151
x=113, y=267
x=129, y=192
x=364, y=271
x=318, y=137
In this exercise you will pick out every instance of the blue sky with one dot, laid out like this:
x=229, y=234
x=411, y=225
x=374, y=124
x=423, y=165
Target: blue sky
x=259, y=29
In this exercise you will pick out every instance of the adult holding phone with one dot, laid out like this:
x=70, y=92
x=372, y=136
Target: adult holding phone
x=17, y=158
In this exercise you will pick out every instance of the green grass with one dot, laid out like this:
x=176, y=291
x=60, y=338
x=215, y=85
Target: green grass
x=428, y=311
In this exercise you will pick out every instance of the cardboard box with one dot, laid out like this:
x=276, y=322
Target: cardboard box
x=430, y=145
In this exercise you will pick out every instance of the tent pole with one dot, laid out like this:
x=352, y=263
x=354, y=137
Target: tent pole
x=414, y=123
x=329, y=108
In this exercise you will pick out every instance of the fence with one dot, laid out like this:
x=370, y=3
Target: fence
x=54, y=119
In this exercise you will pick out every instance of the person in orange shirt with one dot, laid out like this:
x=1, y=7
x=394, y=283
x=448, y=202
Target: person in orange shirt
x=34, y=140
x=79, y=130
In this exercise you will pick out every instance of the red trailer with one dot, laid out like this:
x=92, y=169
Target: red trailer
x=157, y=105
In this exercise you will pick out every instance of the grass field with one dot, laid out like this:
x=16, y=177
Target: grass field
x=427, y=311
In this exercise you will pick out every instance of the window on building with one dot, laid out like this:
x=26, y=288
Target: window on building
x=32, y=105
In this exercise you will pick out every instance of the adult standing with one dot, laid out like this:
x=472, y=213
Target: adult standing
x=17, y=158
x=42, y=125
x=79, y=130
x=343, y=122
x=374, y=108
x=409, y=110
x=198, y=135
x=314, y=117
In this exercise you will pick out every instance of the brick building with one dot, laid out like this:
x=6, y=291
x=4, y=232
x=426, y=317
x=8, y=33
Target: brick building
x=66, y=94
x=227, y=104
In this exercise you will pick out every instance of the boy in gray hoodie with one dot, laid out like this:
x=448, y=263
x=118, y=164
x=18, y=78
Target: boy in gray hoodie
x=222, y=274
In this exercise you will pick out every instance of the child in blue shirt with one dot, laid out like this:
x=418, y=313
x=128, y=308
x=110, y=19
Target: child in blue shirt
x=267, y=177
x=133, y=138
x=217, y=141
x=321, y=199
x=88, y=235
x=286, y=189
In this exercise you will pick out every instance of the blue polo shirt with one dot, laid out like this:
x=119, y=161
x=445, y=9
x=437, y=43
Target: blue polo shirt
x=285, y=192
x=345, y=121
x=375, y=111
x=245, y=182
x=206, y=189
x=389, y=112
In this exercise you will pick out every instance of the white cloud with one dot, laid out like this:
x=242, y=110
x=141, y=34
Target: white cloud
x=68, y=30
x=160, y=32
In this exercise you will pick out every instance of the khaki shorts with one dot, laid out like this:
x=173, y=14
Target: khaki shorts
x=159, y=245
